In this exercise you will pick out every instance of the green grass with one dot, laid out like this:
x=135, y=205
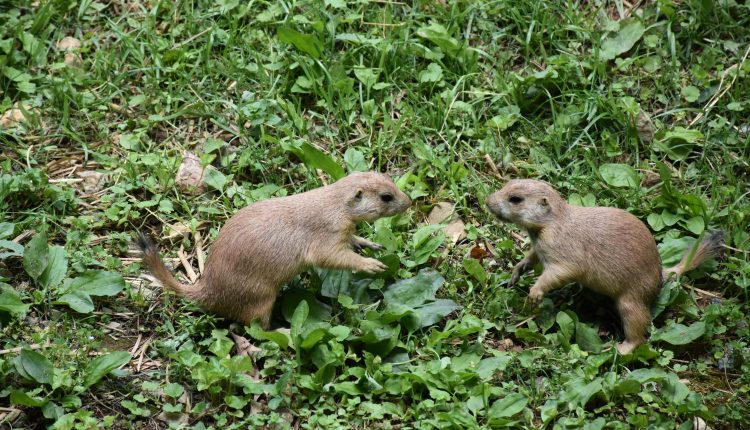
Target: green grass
x=649, y=114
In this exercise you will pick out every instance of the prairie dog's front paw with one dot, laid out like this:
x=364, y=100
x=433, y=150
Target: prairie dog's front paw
x=372, y=266
x=535, y=296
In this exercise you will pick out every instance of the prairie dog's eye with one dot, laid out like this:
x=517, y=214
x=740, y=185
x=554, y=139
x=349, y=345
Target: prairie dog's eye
x=386, y=197
x=515, y=199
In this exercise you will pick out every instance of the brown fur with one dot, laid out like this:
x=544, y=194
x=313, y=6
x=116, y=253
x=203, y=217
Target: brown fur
x=267, y=243
x=605, y=249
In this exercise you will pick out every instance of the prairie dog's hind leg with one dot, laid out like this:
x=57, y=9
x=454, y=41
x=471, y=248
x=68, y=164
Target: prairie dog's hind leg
x=636, y=319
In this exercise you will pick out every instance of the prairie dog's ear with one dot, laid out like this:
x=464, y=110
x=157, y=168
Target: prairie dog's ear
x=543, y=201
x=359, y=193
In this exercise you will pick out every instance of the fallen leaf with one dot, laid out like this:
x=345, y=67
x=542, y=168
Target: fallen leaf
x=190, y=175
x=93, y=181
x=455, y=230
x=645, y=127
x=244, y=347
x=15, y=116
x=478, y=253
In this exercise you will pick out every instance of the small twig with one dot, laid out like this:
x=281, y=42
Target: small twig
x=199, y=251
x=137, y=344
x=706, y=293
x=19, y=348
x=191, y=38
x=493, y=168
x=142, y=354
x=188, y=268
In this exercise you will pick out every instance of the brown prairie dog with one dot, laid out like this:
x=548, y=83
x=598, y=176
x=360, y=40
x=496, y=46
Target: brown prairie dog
x=267, y=243
x=605, y=249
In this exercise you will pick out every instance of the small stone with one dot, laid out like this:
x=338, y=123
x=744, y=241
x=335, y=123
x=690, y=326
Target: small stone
x=68, y=44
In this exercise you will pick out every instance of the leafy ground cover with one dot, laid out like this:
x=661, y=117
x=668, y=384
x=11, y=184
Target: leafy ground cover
x=640, y=105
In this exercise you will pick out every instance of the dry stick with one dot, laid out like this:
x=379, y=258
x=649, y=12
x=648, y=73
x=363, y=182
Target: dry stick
x=188, y=268
x=137, y=344
x=191, y=38
x=19, y=348
x=199, y=251
x=716, y=97
x=493, y=167
x=143, y=352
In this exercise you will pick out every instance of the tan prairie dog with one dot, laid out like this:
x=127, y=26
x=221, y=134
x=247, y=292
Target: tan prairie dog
x=605, y=249
x=267, y=243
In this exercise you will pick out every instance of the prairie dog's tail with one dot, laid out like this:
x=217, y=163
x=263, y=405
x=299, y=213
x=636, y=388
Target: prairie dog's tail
x=154, y=262
x=711, y=246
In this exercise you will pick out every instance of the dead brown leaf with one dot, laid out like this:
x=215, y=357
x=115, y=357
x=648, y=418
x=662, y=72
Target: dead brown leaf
x=243, y=346
x=190, y=174
x=455, y=230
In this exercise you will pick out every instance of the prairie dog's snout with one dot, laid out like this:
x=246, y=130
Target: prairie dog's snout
x=530, y=204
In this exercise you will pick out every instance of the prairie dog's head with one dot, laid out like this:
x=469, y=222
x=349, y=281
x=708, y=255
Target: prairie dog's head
x=527, y=203
x=373, y=195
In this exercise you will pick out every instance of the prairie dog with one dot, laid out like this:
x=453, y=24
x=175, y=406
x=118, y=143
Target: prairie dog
x=605, y=249
x=267, y=243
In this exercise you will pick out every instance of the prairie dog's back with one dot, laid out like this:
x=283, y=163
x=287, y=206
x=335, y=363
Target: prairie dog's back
x=608, y=249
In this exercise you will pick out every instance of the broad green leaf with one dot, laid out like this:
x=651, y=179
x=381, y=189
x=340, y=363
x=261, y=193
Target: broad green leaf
x=6, y=229
x=16, y=249
x=307, y=43
x=174, y=390
x=101, y=366
x=298, y=319
x=695, y=225
x=549, y=410
x=487, y=367
x=78, y=301
x=215, y=179
x=416, y=290
x=679, y=334
x=34, y=366
x=366, y=75
x=129, y=141
x=221, y=345
x=587, y=338
x=279, y=338
x=474, y=268
x=20, y=398
x=438, y=34
x=619, y=175
x=507, y=406
x=212, y=144
x=621, y=42
x=577, y=392
x=679, y=142
x=35, y=255
x=690, y=93
x=97, y=283
x=314, y=158
x=433, y=312
x=355, y=161
x=11, y=302
x=57, y=267
x=506, y=117
x=566, y=323
x=433, y=73
x=647, y=375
